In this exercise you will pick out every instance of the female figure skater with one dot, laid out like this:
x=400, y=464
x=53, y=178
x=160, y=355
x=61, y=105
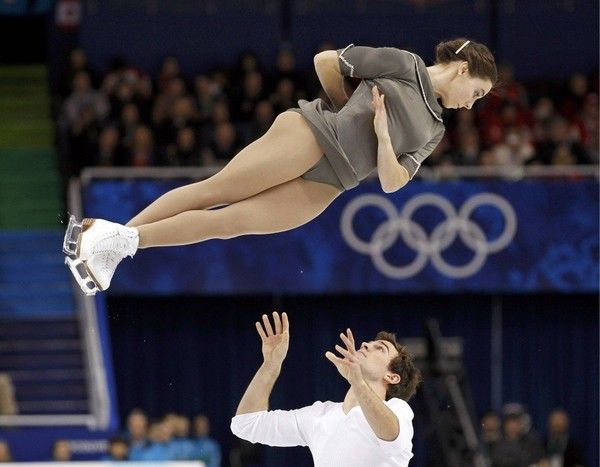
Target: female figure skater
x=390, y=123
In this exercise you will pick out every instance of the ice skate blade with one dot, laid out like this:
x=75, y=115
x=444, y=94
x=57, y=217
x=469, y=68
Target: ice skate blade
x=82, y=276
x=72, y=234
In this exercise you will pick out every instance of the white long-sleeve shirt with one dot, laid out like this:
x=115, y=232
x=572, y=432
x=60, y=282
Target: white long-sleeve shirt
x=335, y=439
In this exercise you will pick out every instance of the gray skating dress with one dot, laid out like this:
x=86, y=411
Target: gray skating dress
x=348, y=138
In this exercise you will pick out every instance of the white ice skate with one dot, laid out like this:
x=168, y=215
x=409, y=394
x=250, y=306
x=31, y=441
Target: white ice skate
x=94, y=236
x=95, y=248
x=95, y=274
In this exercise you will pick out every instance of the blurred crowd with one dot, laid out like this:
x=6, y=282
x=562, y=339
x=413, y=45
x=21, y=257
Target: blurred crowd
x=169, y=438
x=509, y=440
x=126, y=117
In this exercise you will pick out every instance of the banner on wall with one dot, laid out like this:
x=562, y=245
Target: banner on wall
x=468, y=236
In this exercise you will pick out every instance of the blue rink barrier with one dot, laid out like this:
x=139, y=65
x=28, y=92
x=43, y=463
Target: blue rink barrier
x=449, y=237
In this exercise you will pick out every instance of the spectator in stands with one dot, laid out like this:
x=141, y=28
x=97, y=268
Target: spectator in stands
x=181, y=445
x=588, y=123
x=185, y=151
x=285, y=96
x=245, y=100
x=141, y=153
x=561, y=448
x=542, y=112
x=520, y=446
x=166, y=99
x=220, y=114
x=514, y=149
x=574, y=94
x=206, y=94
x=487, y=158
x=264, y=115
x=118, y=449
x=248, y=62
x=468, y=147
x=223, y=146
x=285, y=68
x=559, y=134
x=169, y=71
x=77, y=62
x=61, y=451
x=109, y=151
x=122, y=96
x=5, y=454
x=129, y=120
x=136, y=433
x=183, y=114
x=205, y=448
x=144, y=97
x=160, y=434
x=491, y=432
x=83, y=138
x=84, y=97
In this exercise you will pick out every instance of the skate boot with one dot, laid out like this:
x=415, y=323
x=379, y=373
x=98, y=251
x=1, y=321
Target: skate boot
x=95, y=248
x=94, y=236
x=95, y=274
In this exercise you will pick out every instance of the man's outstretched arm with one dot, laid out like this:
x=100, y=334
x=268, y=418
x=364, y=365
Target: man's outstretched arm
x=380, y=417
x=275, y=344
x=253, y=421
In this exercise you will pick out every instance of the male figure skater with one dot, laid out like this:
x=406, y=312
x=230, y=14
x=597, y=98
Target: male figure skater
x=371, y=427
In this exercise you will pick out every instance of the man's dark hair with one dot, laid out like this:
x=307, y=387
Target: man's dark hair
x=117, y=440
x=403, y=365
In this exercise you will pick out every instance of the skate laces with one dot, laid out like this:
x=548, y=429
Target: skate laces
x=114, y=242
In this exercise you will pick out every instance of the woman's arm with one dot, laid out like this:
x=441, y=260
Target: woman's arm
x=392, y=175
x=327, y=67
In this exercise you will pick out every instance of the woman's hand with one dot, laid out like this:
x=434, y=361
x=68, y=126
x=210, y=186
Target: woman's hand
x=380, y=121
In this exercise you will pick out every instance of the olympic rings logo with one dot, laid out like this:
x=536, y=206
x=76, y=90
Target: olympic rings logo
x=428, y=246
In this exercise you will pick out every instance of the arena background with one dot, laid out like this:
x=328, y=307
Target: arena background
x=176, y=331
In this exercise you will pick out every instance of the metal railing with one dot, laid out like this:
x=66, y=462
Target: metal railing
x=98, y=396
x=513, y=173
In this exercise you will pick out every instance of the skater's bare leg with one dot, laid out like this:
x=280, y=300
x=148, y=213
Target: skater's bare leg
x=277, y=209
x=284, y=153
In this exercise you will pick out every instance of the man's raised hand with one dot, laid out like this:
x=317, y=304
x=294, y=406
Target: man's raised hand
x=275, y=339
x=348, y=365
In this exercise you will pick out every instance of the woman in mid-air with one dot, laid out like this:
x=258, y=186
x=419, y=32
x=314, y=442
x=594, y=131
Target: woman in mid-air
x=390, y=123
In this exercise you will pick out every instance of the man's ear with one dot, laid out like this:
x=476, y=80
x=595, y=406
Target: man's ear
x=392, y=378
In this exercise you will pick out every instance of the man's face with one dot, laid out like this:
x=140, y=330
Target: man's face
x=490, y=423
x=62, y=451
x=137, y=425
x=375, y=357
x=202, y=426
x=558, y=423
x=513, y=427
x=119, y=451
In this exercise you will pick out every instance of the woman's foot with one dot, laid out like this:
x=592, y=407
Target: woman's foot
x=94, y=249
x=100, y=236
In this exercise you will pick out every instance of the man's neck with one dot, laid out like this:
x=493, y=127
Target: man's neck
x=351, y=401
